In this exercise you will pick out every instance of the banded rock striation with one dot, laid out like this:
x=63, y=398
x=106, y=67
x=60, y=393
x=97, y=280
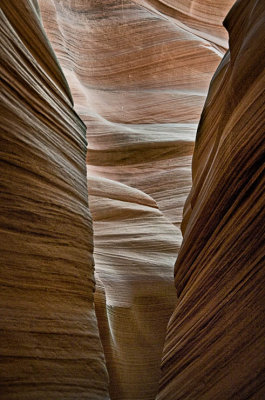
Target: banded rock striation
x=135, y=251
x=216, y=336
x=139, y=80
x=50, y=347
x=138, y=72
x=139, y=77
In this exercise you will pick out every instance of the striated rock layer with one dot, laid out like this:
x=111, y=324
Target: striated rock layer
x=135, y=251
x=135, y=297
x=216, y=336
x=139, y=80
x=139, y=76
x=49, y=346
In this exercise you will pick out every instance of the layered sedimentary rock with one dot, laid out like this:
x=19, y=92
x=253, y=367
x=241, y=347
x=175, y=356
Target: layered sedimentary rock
x=136, y=247
x=49, y=347
x=215, y=339
x=202, y=17
x=138, y=72
x=139, y=80
x=139, y=76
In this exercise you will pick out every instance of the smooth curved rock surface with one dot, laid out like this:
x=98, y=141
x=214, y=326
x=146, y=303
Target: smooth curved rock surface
x=139, y=81
x=50, y=347
x=139, y=77
x=135, y=248
x=215, y=339
x=202, y=17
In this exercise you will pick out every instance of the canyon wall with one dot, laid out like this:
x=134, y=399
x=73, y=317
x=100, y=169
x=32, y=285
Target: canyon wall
x=139, y=73
x=49, y=346
x=216, y=336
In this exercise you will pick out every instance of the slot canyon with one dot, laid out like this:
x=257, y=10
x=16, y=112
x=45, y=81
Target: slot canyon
x=132, y=200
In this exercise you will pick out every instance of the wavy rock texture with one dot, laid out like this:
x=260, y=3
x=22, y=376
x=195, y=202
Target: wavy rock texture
x=138, y=74
x=139, y=81
x=202, y=17
x=215, y=339
x=50, y=347
x=136, y=247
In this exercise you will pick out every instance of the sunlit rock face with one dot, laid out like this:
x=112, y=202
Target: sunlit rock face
x=139, y=73
x=139, y=80
x=215, y=339
x=49, y=347
x=204, y=18
x=135, y=295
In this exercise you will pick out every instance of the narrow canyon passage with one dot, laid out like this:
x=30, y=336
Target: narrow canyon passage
x=101, y=105
x=139, y=79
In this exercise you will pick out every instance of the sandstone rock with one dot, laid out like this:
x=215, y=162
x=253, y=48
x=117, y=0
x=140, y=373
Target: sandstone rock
x=139, y=80
x=202, y=17
x=215, y=339
x=139, y=77
x=138, y=72
x=50, y=347
x=135, y=248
